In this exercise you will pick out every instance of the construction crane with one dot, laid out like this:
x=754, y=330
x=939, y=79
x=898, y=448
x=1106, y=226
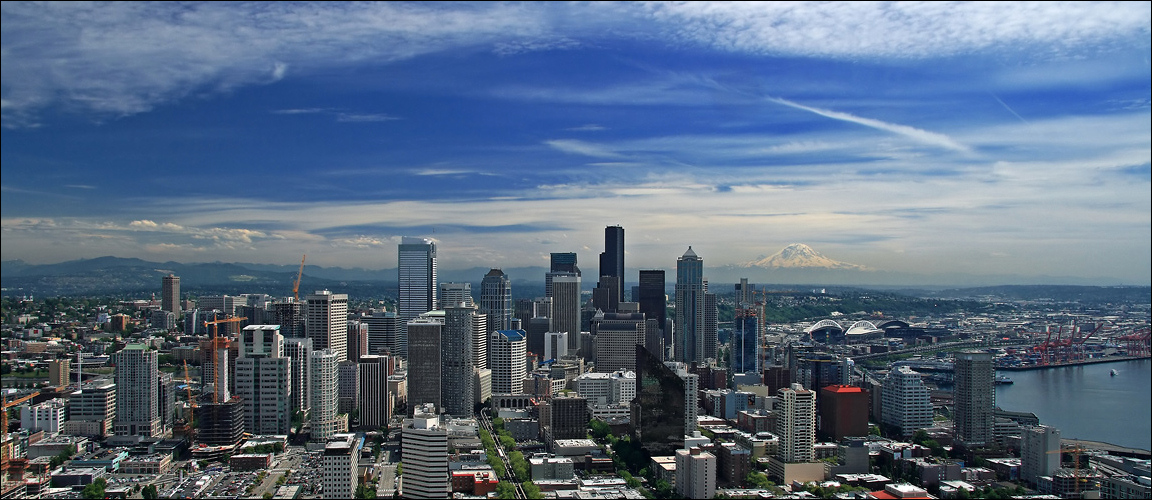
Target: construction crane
x=299, y=275
x=4, y=443
x=1076, y=450
x=217, y=344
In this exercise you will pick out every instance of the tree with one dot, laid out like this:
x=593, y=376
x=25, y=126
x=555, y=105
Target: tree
x=363, y=491
x=95, y=489
x=504, y=489
x=531, y=490
x=150, y=492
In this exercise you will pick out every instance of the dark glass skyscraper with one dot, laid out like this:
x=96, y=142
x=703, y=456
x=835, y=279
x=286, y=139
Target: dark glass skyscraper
x=496, y=300
x=658, y=411
x=612, y=263
x=561, y=264
x=654, y=301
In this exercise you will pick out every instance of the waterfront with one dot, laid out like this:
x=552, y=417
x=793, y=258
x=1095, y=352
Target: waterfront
x=1085, y=402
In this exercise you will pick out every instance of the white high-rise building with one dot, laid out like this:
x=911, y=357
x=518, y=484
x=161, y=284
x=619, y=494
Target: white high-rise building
x=325, y=401
x=326, y=321
x=338, y=466
x=695, y=322
x=695, y=473
x=416, y=275
x=691, y=394
x=425, y=451
x=92, y=410
x=796, y=424
x=622, y=387
x=264, y=380
x=47, y=416
x=137, y=391
x=506, y=349
x=1039, y=452
x=299, y=351
x=566, y=308
x=375, y=399
x=906, y=401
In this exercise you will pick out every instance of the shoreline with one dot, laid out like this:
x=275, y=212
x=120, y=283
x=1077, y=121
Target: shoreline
x=1116, y=449
x=1110, y=359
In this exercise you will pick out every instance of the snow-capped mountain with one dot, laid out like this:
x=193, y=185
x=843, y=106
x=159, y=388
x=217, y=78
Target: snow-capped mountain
x=799, y=255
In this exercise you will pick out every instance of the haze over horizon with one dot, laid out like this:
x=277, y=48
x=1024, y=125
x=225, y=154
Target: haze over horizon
x=919, y=138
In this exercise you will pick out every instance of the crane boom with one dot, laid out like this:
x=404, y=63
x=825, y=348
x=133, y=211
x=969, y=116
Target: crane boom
x=299, y=275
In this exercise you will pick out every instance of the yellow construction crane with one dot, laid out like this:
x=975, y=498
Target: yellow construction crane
x=217, y=344
x=5, y=444
x=296, y=284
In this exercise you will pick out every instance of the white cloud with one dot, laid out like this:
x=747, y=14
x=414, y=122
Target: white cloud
x=923, y=136
x=579, y=147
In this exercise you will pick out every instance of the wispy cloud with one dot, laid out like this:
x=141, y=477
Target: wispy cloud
x=922, y=136
x=591, y=127
x=339, y=115
x=579, y=147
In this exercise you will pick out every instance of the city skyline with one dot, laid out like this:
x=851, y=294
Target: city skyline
x=907, y=138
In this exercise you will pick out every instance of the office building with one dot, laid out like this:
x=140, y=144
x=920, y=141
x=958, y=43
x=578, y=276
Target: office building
x=843, y=412
x=137, y=401
x=664, y=409
x=796, y=424
x=375, y=400
x=383, y=332
x=560, y=264
x=906, y=402
x=347, y=387
x=506, y=349
x=59, y=371
x=456, y=359
x=170, y=294
x=695, y=323
x=299, y=352
x=496, y=301
x=653, y=299
x=425, y=451
x=338, y=466
x=695, y=473
x=47, y=416
x=325, y=396
x=424, y=361
x=1039, y=453
x=745, y=348
x=289, y=314
x=614, y=340
x=564, y=417
x=357, y=340
x=566, y=308
x=221, y=423
x=453, y=294
x=264, y=380
x=975, y=398
x=416, y=274
x=327, y=321
x=612, y=263
x=555, y=345
x=92, y=411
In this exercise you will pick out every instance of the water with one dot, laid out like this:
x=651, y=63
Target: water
x=1084, y=402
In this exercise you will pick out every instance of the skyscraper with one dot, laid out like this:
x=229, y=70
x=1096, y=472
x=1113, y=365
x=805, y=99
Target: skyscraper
x=496, y=300
x=796, y=424
x=325, y=403
x=357, y=340
x=560, y=264
x=975, y=397
x=1039, y=453
x=170, y=296
x=264, y=380
x=456, y=359
x=695, y=325
x=338, y=464
x=137, y=391
x=424, y=362
x=506, y=350
x=327, y=321
x=664, y=409
x=653, y=301
x=745, y=347
x=299, y=351
x=383, y=332
x=289, y=314
x=614, y=339
x=375, y=400
x=452, y=294
x=610, y=288
x=566, y=308
x=417, y=280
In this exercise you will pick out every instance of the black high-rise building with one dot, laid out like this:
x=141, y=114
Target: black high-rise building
x=654, y=302
x=561, y=264
x=658, y=411
x=612, y=262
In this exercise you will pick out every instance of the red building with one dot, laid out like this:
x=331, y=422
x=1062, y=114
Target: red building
x=843, y=412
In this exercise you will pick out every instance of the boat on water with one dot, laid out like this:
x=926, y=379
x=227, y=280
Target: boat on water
x=1113, y=373
x=1002, y=380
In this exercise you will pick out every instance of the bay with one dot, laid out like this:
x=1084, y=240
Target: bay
x=1086, y=402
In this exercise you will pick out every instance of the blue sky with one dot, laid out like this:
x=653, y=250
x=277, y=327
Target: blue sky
x=911, y=137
